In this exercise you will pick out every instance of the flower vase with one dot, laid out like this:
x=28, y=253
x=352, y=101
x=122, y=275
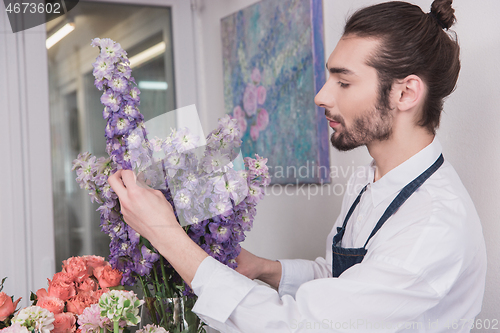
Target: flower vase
x=174, y=314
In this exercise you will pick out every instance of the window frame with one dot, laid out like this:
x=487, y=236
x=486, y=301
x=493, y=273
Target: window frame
x=26, y=204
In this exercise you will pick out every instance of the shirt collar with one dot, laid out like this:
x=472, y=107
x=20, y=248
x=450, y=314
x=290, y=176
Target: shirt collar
x=404, y=173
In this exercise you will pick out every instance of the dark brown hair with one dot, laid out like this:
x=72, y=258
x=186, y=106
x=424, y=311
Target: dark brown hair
x=412, y=42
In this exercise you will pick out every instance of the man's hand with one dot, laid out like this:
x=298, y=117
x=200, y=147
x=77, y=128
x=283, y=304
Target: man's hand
x=151, y=215
x=144, y=209
x=254, y=267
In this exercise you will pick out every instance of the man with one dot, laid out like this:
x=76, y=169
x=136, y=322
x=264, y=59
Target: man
x=407, y=251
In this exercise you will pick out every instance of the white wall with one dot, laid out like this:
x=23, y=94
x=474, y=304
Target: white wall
x=295, y=226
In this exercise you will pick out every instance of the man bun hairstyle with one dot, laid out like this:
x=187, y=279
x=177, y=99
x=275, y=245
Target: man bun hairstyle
x=412, y=42
x=444, y=13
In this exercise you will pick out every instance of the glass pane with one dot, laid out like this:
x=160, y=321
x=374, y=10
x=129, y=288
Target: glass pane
x=76, y=111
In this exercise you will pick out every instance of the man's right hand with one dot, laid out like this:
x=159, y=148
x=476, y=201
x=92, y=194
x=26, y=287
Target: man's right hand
x=254, y=267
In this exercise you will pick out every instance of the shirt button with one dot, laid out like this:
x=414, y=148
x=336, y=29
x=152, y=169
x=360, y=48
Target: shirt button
x=360, y=218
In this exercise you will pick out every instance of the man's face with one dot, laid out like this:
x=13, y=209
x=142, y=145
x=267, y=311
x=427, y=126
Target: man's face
x=350, y=96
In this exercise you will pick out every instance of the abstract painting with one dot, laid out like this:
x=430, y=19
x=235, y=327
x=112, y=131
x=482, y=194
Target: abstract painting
x=274, y=64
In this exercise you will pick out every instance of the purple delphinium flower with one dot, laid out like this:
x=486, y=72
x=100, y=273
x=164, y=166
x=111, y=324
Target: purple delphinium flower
x=219, y=213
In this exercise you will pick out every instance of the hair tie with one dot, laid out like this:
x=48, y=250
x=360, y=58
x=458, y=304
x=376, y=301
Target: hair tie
x=431, y=14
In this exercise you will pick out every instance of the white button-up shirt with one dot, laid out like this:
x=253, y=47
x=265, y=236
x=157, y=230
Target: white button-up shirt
x=424, y=270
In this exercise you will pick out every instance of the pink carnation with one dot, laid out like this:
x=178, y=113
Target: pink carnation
x=90, y=320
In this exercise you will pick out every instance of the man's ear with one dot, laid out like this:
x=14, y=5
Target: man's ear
x=409, y=93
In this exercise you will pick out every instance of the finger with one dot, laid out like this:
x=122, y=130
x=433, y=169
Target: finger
x=116, y=183
x=129, y=178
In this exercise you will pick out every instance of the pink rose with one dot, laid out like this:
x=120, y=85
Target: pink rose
x=87, y=286
x=53, y=304
x=261, y=95
x=61, y=289
x=238, y=113
x=63, y=276
x=256, y=75
x=41, y=293
x=7, y=307
x=77, y=268
x=64, y=323
x=107, y=276
x=254, y=132
x=78, y=303
x=250, y=99
x=93, y=262
x=262, y=119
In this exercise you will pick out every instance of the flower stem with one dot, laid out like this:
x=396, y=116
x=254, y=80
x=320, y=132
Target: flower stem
x=116, y=328
x=158, y=298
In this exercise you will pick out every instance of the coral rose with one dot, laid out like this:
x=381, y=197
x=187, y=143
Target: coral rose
x=64, y=323
x=7, y=307
x=77, y=268
x=97, y=294
x=53, y=304
x=92, y=262
x=41, y=293
x=87, y=286
x=63, y=276
x=78, y=303
x=107, y=276
x=61, y=289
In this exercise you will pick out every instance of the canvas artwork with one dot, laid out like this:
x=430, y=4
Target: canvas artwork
x=274, y=64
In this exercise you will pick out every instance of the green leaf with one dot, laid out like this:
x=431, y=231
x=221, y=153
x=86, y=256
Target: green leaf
x=117, y=288
x=1, y=284
x=33, y=298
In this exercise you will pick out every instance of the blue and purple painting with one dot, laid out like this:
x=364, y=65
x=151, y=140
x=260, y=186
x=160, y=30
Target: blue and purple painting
x=274, y=65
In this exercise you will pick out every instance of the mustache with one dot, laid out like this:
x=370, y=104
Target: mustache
x=335, y=118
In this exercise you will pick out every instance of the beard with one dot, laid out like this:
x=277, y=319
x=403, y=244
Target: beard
x=375, y=124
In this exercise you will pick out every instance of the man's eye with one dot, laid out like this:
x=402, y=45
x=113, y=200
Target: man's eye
x=343, y=85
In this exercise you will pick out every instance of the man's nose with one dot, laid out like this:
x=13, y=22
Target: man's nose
x=324, y=98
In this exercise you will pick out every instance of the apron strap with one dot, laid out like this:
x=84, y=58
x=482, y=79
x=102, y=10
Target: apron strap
x=353, y=206
x=340, y=230
x=405, y=193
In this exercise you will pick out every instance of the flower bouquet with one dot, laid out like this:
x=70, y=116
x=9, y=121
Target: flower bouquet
x=78, y=299
x=214, y=203
x=80, y=284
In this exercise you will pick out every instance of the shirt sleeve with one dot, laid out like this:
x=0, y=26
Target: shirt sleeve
x=296, y=272
x=383, y=288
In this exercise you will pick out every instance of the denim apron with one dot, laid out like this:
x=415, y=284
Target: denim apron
x=344, y=258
